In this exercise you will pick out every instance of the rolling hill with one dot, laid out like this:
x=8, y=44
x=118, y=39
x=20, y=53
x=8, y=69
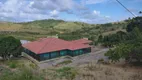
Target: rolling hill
x=56, y=24
x=43, y=28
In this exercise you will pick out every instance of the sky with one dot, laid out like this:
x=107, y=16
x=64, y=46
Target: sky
x=88, y=11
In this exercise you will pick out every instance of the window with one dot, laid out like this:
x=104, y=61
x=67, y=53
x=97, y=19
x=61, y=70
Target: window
x=53, y=54
x=63, y=53
x=76, y=52
x=46, y=56
x=81, y=51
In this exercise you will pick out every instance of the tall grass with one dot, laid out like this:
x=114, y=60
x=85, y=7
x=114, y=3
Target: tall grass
x=22, y=74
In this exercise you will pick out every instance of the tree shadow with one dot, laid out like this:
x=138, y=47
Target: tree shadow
x=137, y=64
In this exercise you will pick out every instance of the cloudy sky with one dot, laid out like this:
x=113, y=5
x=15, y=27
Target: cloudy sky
x=90, y=11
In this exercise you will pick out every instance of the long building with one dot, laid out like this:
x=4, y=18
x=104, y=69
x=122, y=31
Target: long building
x=48, y=48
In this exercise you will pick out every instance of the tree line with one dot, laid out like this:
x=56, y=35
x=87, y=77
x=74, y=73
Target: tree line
x=127, y=45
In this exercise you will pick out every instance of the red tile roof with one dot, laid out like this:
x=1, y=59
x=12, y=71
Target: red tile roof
x=82, y=41
x=44, y=45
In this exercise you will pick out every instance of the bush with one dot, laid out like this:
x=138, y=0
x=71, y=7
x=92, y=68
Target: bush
x=12, y=64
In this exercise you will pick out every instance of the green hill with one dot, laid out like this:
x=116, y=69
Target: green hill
x=43, y=23
x=65, y=29
x=56, y=24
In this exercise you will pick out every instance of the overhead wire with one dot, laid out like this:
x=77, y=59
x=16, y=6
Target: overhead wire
x=126, y=8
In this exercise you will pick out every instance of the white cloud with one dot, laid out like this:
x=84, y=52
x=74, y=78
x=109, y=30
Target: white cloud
x=94, y=17
x=15, y=10
x=93, y=1
x=90, y=14
x=53, y=4
x=28, y=10
x=54, y=13
x=107, y=17
x=96, y=12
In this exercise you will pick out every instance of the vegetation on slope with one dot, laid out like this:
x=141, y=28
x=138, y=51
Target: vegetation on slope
x=65, y=30
x=43, y=23
x=130, y=45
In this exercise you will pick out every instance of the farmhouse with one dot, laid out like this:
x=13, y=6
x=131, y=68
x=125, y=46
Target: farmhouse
x=48, y=48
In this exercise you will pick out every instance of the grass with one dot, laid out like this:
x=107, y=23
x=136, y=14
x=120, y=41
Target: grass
x=94, y=71
x=19, y=69
x=66, y=72
x=22, y=74
x=12, y=63
x=136, y=76
x=63, y=73
x=4, y=70
x=66, y=30
x=65, y=62
x=33, y=66
x=90, y=71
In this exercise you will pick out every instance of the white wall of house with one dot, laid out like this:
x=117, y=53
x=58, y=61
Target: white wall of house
x=24, y=41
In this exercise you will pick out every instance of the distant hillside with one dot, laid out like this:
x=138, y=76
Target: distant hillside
x=5, y=26
x=66, y=30
x=56, y=24
x=43, y=23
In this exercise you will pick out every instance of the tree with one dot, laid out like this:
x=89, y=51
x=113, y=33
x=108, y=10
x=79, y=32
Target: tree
x=121, y=51
x=100, y=38
x=112, y=39
x=129, y=50
x=9, y=46
x=135, y=22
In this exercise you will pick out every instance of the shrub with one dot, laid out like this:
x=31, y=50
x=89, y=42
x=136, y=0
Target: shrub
x=12, y=64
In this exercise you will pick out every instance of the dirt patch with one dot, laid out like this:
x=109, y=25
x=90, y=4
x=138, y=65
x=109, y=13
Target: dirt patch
x=94, y=71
